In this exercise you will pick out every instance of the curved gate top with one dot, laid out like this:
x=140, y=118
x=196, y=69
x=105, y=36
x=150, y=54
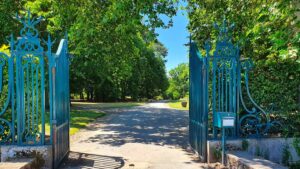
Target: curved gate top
x=26, y=91
x=218, y=84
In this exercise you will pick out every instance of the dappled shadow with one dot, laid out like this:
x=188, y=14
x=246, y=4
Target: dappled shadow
x=148, y=125
x=78, y=160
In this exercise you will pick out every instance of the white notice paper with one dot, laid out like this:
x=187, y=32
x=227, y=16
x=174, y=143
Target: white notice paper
x=228, y=122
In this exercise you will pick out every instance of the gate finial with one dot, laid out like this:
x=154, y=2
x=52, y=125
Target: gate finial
x=29, y=29
x=224, y=30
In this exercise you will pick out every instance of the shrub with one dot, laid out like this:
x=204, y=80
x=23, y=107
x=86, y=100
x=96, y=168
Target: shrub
x=217, y=152
x=277, y=82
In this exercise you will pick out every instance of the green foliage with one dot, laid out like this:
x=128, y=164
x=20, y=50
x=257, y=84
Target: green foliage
x=8, y=9
x=4, y=95
x=294, y=165
x=4, y=49
x=245, y=145
x=176, y=104
x=79, y=120
x=277, y=82
x=268, y=33
x=266, y=30
x=100, y=106
x=178, y=82
x=217, y=152
x=114, y=46
x=296, y=144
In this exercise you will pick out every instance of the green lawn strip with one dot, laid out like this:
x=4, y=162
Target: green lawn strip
x=176, y=104
x=79, y=120
x=107, y=105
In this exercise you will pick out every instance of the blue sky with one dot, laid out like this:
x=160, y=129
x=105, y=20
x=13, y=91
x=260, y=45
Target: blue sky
x=174, y=39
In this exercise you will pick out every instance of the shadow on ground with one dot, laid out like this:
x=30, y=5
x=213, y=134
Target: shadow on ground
x=142, y=124
x=78, y=160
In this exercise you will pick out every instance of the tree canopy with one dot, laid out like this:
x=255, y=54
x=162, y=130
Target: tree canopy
x=179, y=82
x=115, y=52
x=265, y=30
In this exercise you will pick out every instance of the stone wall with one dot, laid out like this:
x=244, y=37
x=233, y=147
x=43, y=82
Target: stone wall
x=269, y=148
x=40, y=154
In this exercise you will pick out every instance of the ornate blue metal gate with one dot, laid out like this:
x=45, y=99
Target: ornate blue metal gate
x=23, y=118
x=61, y=104
x=198, y=113
x=30, y=84
x=224, y=77
x=222, y=84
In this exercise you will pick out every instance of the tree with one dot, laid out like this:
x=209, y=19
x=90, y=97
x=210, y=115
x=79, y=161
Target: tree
x=265, y=30
x=8, y=24
x=179, y=81
x=114, y=47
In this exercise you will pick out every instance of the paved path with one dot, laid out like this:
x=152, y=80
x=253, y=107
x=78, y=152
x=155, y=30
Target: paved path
x=152, y=136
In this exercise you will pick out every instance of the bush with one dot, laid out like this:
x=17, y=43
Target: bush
x=294, y=165
x=278, y=82
x=296, y=144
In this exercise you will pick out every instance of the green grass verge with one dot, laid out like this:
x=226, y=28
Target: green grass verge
x=107, y=105
x=176, y=104
x=79, y=120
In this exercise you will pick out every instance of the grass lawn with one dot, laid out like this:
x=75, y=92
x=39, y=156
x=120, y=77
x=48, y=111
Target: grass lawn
x=79, y=119
x=176, y=104
x=107, y=105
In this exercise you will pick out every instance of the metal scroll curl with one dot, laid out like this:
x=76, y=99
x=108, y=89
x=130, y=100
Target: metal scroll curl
x=5, y=131
x=256, y=122
x=6, y=117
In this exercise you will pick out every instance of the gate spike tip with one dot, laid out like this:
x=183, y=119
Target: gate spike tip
x=11, y=42
x=29, y=15
x=66, y=35
x=207, y=45
x=224, y=21
x=50, y=42
x=18, y=18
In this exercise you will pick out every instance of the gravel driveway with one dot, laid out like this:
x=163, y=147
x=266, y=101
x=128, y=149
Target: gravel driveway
x=152, y=136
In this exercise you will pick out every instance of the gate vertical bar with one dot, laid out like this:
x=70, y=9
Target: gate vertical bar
x=12, y=87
